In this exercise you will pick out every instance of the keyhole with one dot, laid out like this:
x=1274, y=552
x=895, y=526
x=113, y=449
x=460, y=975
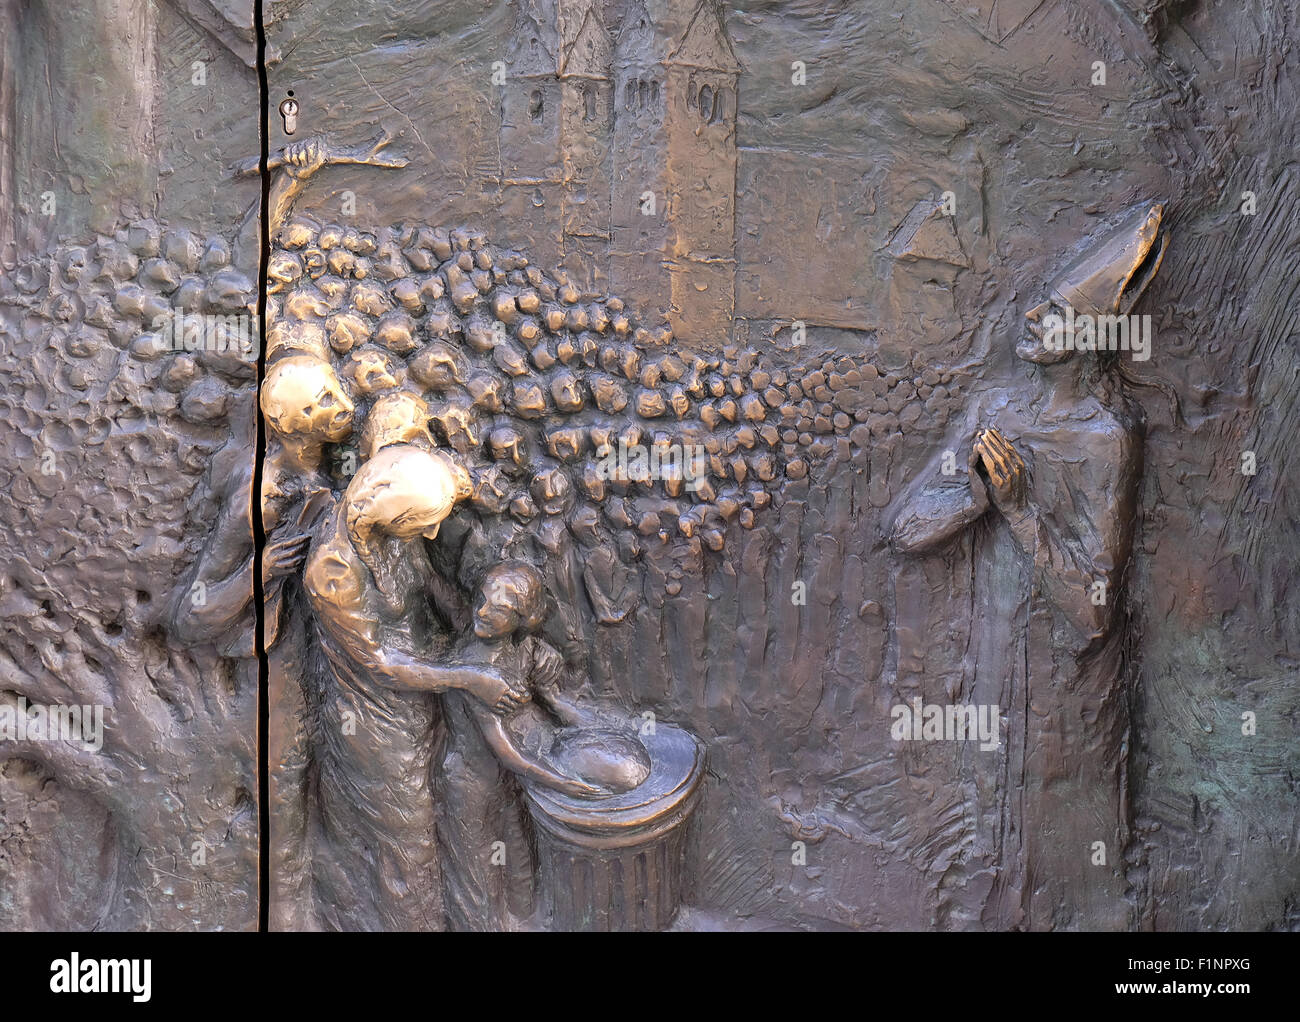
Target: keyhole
x=289, y=112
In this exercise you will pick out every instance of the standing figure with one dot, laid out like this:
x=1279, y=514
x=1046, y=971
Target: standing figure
x=306, y=409
x=1050, y=500
x=488, y=860
x=380, y=625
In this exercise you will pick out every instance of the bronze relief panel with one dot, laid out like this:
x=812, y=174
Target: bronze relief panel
x=771, y=466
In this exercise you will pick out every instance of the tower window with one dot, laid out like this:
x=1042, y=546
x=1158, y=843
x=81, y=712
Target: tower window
x=721, y=103
x=706, y=103
x=588, y=102
x=692, y=94
x=629, y=94
x=535, y=110
x=654, y=94
x=643, y=100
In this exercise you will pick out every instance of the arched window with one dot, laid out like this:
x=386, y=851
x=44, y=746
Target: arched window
x=588, y=102
x=643, y=100
x=654, y=94
x=692, y=93
x=629, y=94
x=706, y=102
x=535, y=109
x=721, y=104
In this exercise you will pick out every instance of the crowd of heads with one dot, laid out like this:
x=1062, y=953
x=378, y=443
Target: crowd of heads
x=437, y=339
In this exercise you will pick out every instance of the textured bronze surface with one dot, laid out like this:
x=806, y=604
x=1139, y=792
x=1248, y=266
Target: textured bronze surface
x=788, y=465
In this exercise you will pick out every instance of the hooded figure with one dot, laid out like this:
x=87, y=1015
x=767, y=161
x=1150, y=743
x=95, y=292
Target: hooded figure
x=1048, y=504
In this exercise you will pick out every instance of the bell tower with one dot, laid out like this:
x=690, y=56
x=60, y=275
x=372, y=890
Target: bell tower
x=700, y=129
x=530, y=139
x=618, y=157
x=639, y=208
x=673, y=248
x=587, y=133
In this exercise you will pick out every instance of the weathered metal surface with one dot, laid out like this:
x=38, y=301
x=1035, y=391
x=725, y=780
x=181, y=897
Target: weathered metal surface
x=693, y=494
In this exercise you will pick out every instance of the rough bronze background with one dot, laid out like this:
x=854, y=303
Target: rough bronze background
x=803, y=235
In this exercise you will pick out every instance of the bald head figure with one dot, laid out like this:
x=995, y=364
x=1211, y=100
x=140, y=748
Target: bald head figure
x=302, y=397
x=404, y=491
x=397, y=418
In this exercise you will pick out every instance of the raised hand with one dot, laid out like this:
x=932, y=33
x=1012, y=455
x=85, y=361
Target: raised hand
x=1007, y=475
x=302, y=159
x=309, y=155
x=284, y=556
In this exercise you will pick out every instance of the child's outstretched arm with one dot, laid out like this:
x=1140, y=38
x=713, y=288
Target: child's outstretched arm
x=513, y=759
x=546, y=670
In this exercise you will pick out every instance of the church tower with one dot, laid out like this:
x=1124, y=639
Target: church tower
x=530, y=138
x=700, y=126
x=618, y=156
x=639, y=207
x=587, y=133
x=675, y=138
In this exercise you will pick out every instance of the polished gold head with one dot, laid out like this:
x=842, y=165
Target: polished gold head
x=404, y=491
x=398, y=418
x=302, y=397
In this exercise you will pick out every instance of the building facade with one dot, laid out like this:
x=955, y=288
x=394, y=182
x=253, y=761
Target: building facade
x=618, y=156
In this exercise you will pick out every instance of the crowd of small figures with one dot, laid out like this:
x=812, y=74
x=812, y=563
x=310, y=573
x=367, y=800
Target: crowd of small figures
x=533, y=385
x=528, y=381
x=100, y=308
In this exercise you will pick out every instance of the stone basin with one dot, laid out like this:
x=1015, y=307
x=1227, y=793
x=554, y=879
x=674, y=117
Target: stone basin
x=615, y=863
x=613, y=759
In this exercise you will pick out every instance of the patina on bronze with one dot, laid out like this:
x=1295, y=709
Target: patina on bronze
x=808, y=466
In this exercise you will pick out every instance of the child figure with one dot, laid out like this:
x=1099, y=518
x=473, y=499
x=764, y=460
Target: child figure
x=511, y=608
x=486, y=855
